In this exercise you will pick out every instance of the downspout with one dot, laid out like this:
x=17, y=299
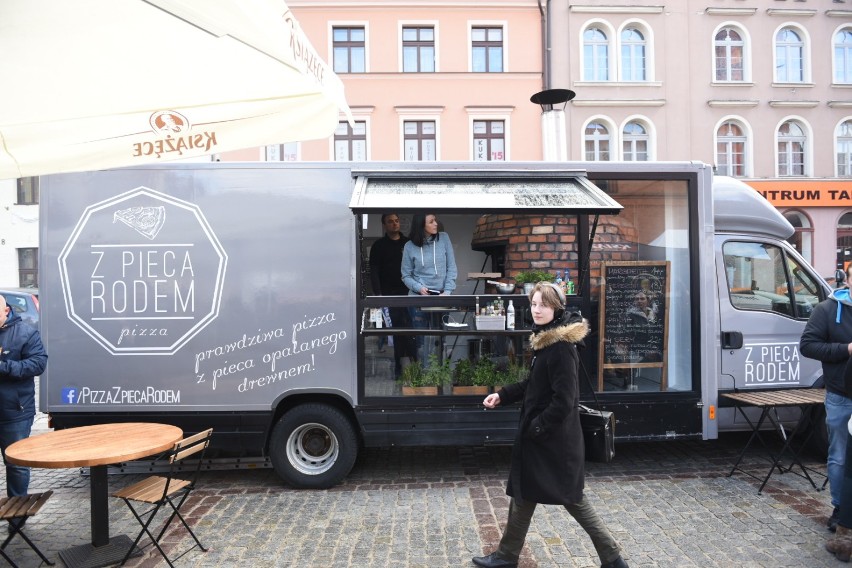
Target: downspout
x=545, y=43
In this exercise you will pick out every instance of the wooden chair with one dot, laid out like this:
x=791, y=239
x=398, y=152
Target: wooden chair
x=157, y=491
x=16, y=511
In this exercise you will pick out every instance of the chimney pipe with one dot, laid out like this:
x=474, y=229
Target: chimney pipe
x=554, y=138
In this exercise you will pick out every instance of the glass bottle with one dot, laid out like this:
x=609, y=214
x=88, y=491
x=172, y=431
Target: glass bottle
x=510, y=316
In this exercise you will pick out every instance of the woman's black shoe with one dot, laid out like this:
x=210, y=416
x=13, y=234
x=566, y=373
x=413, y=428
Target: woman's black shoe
x=494, y=560
x=617, y=563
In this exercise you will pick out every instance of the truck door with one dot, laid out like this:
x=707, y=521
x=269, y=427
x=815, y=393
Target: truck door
x=766, y=294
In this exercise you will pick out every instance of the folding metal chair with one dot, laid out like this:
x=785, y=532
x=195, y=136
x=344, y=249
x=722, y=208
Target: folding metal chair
x=157, y=491
x=16, y=510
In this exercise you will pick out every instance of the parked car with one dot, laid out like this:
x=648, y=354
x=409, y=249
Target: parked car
x=25, y=302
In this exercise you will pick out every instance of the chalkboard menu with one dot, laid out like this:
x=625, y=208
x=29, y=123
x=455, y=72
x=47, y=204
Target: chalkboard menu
x=633, y=323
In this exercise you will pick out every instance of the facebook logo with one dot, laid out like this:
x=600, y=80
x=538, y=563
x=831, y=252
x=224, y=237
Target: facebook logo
x=69, y=395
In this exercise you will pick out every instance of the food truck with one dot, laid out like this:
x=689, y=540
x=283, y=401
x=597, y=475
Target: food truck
x=238, y=296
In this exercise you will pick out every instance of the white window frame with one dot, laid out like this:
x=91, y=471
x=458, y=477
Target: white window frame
x=648, y=33
x=358, y=115
x=836, y=142
x=746, y=37
x=807, y=162
x=840, y=28
x=476, y=114
x=412, y=114
x=650, y=129
x=806, y=53
x=606, y=28
x=748, y=132
x=614, y=137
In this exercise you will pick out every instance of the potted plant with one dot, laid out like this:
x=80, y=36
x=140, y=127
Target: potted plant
x=514, y=373
x=465, y=379
x=438, y=373
x=414, y=381
x=528, y=278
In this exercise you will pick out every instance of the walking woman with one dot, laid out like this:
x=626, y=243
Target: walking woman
x=548, y=454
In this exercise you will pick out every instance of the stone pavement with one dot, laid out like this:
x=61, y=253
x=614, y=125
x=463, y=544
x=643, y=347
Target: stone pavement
x=668, y=504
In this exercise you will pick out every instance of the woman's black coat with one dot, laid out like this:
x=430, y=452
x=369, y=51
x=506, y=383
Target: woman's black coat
x=548, y=454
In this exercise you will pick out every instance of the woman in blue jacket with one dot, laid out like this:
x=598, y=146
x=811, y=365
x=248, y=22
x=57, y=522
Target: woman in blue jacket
x=428, y=262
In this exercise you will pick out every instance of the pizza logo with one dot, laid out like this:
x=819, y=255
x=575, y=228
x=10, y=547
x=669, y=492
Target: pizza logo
x=168, y=122
x=147, y=221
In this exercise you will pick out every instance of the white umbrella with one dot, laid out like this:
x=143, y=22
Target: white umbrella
x=94, y=84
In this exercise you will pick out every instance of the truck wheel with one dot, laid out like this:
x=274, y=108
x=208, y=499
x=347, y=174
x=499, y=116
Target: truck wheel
x=313, y=446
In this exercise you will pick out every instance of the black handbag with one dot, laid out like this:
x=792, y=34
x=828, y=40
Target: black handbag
x=598, y=428
x=598, y=434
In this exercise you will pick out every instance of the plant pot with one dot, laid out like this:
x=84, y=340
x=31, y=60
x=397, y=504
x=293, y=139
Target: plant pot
x=420, y=391
x=478, y=389
x=528, y=288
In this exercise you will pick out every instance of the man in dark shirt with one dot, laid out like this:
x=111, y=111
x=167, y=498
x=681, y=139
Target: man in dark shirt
x=386, y=278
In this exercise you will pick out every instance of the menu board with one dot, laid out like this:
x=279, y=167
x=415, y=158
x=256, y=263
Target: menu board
x=633, y=322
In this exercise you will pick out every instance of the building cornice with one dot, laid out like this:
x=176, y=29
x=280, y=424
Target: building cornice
x=839, y=104
x=793, y=104
x=618, y=103
x=730, y=11
x=789, y=12
x=839, y=13
x=419, y=109
x=611, y=84
x=487, y=109
x=717, y=103
x=590, y=9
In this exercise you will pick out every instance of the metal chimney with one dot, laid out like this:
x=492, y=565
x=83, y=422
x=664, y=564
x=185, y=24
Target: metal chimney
x=554, y=138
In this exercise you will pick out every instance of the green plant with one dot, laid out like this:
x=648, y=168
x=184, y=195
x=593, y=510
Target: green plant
x=533, y=276
x=413, y=375
x=513, y=374
x=485, y=372
x=438, y=372
x=463, y=373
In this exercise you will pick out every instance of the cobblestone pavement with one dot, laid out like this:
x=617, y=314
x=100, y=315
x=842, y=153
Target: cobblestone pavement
x=668, y=504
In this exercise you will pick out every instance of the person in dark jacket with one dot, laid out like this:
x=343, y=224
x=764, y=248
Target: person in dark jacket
x=386, y=279
x=22, y=358
x=548, y=461
x=828, y=338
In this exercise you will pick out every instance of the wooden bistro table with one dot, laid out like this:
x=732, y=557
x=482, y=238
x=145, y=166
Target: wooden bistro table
x=807, y=400
x=95, y=447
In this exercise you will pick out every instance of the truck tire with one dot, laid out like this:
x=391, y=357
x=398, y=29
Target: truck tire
x=313, y=446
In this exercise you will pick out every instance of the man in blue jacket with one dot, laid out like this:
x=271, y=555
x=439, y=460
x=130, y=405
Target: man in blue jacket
x=828, y=338
x=22, y=358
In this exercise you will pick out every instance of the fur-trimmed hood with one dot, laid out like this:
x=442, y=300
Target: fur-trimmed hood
x=571, y=333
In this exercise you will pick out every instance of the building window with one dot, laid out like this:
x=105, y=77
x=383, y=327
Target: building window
x=729, y=48
x=419, y=140
x=635, y=142
x=487, y=49
x=802, y=239
x=350, y=144
x=597, y=142
x=28, y=191
x=730, y=150
x=843, y=57
x=791, y=149
x=844, y=241
x=349, y=50
x=844, y=149
x=288, y=152
x=632, y=55
x=595, y=55
x=489, y=140
x=789, y=57
x=418, y=50
x=28, y=267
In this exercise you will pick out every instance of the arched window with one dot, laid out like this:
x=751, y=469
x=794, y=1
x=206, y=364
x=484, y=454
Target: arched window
x=791, y=149
x=843, y=56
x=635, y=142
x=844, y=240
x=632, y=55
x=729, y=48
x=844, y=149
x=789, y=57
x=595, y=55
x=597, y=142
x=802, y=239
x=731, y=150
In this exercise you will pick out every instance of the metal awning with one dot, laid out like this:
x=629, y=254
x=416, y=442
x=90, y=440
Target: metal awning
x=494, y=191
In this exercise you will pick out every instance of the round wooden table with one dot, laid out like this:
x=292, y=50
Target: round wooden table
x=95, y=447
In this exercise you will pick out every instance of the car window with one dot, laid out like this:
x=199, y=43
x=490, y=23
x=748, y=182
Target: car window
x=17, y=303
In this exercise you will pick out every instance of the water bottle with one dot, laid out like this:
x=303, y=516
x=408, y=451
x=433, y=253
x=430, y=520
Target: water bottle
x=510, y=316
x=559, y=279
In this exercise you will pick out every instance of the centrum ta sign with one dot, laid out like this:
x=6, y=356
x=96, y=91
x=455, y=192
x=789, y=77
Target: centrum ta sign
x=142, y=273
